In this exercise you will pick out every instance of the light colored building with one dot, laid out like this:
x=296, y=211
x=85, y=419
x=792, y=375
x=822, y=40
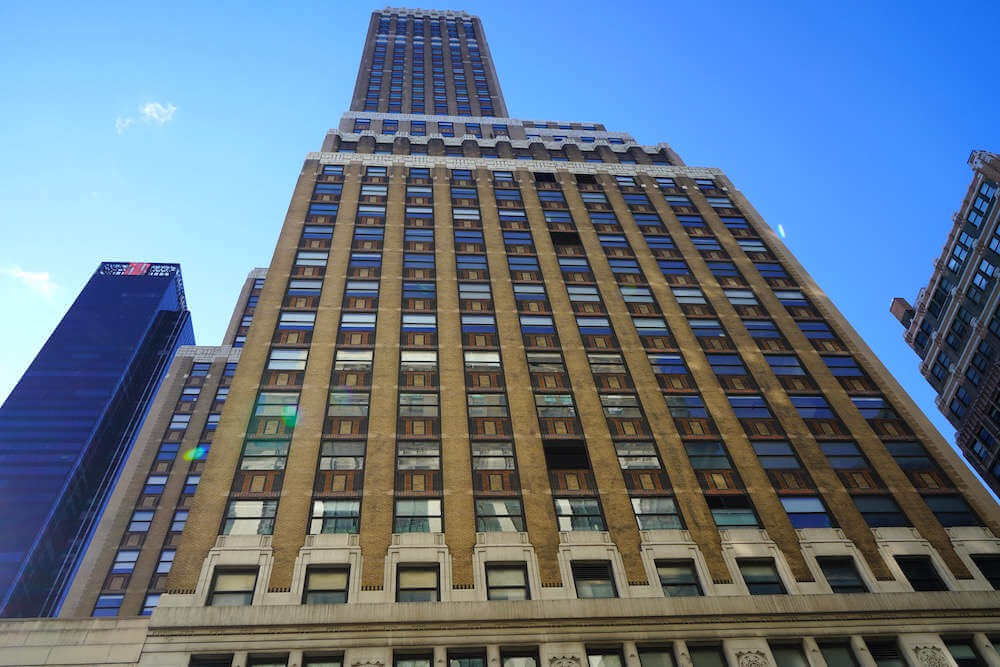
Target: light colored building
x=955, y=324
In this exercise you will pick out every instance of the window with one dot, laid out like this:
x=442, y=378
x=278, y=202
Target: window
x=140, y=521
x=498, y=515
x=964, y=652
x=518, y=658
x=761, y=576
x=604, y=657
x=179, y=520
x=326, y=585
x=107, y=605
x=789, y=655
x=989, y=565
x=750, y=407
x=838, y=653
x=732, y=511
x=806, y=512
x=707, y=656
x=741, y=297
x=166, y=561
x=784, y=364
x=656, y=656
x=232, y=588
x=417, y=583
x=466, y=659
x=594, y=580
x=952, y=510
x=726, y=364
x=679, y=578
x=775, y=455
x=335, y=516
x=579, y=514
x=250, y=517
x=707, y=455
x=149, y=604
x=417, y=515
x=921, y=573
x=656, y=513
x=844, y=455
x=880, y=511
x=841, y=574
x=885, y=653
x=812, y=407
x=412, y=660
x=637, y=456
x=507, y=581
x=124, y=561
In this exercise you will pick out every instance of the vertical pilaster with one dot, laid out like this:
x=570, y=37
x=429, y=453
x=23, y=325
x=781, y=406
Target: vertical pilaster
x=456, y=464
x=618, y=514
x=380, y=454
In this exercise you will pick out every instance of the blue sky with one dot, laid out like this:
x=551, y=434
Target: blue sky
x=847, y=123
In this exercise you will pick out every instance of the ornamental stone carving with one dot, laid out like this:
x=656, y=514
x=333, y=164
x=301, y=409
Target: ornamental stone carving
x=751, y=659
x=368, y=663
x=931, y=656
x=564, y=661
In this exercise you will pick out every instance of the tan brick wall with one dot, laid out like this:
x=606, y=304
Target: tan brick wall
x=615, y=502
x=380, y=462
x=536, y=494
x=456, y=464
x=292, y=520
x=210, y=502
x=897, y=482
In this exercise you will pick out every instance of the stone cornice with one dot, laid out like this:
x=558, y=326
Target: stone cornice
x=501, y=164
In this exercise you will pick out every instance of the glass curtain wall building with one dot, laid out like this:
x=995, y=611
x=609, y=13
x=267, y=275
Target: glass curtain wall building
x=68, y=424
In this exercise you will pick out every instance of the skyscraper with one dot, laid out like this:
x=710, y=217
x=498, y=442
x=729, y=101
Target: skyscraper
x=70, y=421
x=525, y=393
x=955, y=327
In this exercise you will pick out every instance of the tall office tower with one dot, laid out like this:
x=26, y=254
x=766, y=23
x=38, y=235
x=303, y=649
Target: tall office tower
x=955, y=324
x=531, y=394
x=124, y=570
x=70, y=421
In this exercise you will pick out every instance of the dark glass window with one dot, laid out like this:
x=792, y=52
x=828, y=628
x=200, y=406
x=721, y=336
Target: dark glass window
x=679, y=578
x=761, y=576
x=594, y=580
x=326, y=585
x=921, y=573
x=841, y=574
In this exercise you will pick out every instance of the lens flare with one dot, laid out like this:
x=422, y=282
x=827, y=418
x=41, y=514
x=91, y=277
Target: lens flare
x=781, y=231
x=196, y=453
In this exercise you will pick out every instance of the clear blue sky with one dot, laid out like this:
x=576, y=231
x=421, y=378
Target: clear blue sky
x=847, y=123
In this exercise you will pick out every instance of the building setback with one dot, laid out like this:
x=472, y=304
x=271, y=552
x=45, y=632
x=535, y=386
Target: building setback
x=531, y=394
x=955, y=328
x=67, y=426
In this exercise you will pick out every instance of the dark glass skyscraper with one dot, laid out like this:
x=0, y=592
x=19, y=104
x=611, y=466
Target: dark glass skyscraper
x=68, y=424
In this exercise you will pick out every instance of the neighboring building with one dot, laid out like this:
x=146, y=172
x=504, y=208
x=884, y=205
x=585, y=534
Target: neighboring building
x=124, y=571
x=66, y=428
x=528, y=393
x=955, y=325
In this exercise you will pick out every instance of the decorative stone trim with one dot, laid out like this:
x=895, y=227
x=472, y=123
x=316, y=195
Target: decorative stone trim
x=759, y=659
x=931, y=656
x=503, y=164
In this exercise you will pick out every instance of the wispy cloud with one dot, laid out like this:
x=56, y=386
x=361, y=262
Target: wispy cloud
x=122, y=123
x=38, y=281
x=157, y=113
x=151, y=113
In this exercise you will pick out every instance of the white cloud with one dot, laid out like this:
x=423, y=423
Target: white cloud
x=157, y=113
x=150, y=112
x=122, y=123
x=38, y=281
